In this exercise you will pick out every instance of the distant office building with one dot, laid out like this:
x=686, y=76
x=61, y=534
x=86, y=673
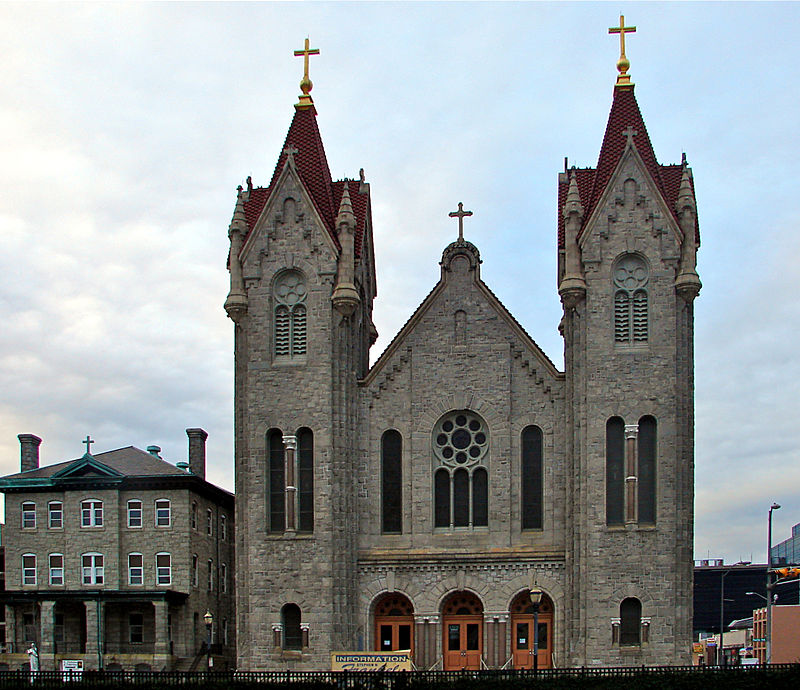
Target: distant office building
x=114, y=559
x=788, y=551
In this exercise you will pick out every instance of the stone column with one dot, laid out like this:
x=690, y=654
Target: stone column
x=161, y=640
x=46, y=629
x=434, y=639
x=490, y=640
x=420, y=657
x=11, y=629
x=631, y=436
x=290, y=445
x=502, y=639
x=92, y=622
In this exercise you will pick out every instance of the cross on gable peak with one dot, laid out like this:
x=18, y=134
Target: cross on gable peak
x=629, y=133
x=460, y=214
x=88, y=441
x=290, y=151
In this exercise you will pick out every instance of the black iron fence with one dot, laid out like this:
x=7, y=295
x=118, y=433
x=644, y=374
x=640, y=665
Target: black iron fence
x=611, y=677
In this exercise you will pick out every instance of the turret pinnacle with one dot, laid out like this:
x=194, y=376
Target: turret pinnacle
x=345, y=296
x=687, y=284
x=573, y=285
x=345, y=214
x=236, y=303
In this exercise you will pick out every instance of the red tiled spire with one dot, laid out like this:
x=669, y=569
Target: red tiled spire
x=625, y=116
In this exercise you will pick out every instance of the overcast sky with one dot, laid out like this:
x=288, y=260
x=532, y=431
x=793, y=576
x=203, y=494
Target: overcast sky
x=126, y=128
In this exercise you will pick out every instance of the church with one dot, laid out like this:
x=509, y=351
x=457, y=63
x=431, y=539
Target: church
x=462, y=498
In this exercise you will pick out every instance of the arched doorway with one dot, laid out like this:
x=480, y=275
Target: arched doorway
x=394, y=624
x=522, y=631
x=462, y=622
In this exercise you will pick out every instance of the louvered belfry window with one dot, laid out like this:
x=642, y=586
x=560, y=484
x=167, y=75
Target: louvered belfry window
x=631, y=317
x=290, y=316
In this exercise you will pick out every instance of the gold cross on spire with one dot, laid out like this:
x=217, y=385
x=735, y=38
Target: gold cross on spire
x=623, y=64
x=460, y=214
x=305, y=83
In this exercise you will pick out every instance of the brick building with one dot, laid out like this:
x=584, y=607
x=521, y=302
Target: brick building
x=417, y=502
x=114, y=559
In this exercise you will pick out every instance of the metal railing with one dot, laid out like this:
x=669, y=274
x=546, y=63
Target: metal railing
x=365, y=680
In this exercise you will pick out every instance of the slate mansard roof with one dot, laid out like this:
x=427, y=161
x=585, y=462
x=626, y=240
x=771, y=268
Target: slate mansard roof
x=592, y=182
x=125, y=467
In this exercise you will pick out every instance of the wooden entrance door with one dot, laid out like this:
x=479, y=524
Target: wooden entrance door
x=394, y=624
x=463, y=642
x=462, y=627
x=522, y=640
x=522, y=631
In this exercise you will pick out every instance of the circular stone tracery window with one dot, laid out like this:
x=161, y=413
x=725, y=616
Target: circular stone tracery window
x=460, y=439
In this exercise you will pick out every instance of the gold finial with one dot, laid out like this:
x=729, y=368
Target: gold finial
x=623, y=64
x=305, y=84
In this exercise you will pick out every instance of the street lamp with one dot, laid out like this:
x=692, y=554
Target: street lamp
x=536, y=599
x=768, y=634
x=209, y=620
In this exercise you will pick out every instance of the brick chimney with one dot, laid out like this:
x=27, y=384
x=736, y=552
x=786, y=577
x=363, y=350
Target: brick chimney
x=197, y=451
x=28, y=452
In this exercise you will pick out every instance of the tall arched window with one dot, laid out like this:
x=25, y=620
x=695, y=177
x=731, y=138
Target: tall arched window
x=531, y=493
x=647, y=470
x=615, y=471
x=630, y=275
x=461, y=486
x=290, y=294
x=277, y=481
x=630, y=622
x=305, y=480
x=392, y=482
x=292, y=635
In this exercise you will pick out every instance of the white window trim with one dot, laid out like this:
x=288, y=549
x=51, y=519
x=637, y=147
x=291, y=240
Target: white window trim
x=168, y=568
x=23, y=511
x=141, y=513
x=93, y=523
x=139, y=567
x=34, y=569
x=50, y=511
x=168, y=509
x=51, y=569
x=97, y=573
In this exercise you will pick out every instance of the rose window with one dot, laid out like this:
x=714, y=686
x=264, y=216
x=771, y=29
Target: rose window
x=460, y=439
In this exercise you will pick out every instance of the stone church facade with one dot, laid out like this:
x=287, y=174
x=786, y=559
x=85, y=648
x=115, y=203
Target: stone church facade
x=417, y=503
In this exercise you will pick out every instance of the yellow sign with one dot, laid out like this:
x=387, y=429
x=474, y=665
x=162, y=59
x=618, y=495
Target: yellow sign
x=371, y=661
x=698, y=647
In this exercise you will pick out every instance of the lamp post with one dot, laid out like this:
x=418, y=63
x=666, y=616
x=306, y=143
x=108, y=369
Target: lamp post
x=536, y=599
x=209, y=620
x=768, y=633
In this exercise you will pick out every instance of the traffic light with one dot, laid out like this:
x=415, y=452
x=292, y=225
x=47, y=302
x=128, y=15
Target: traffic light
x=787, y=572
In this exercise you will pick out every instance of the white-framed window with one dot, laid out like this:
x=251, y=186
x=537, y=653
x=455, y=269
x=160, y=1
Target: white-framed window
x=163, y=569
x=28, y=515
x=136, y=628
x=194, y=514
x=195, y=574
x=210, y=575
x=91, y=513
x=163, y=513
x=55, y=515
x=209, y=522
x=135, y=569
x=28, y=569
x=223, y=526
x=56, y=569
x=223, y=577
x=134, y=513
x=92, y=569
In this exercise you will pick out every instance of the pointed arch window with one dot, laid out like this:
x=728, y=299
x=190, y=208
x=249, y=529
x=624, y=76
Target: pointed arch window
x=460, y=481
x=531, y=493
x=631, y=315
x=647, y=470
x=392, y=482
x=630, y=625
x=615, y=471
x=305, y=480
x=290, y=293
x=277, y=481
